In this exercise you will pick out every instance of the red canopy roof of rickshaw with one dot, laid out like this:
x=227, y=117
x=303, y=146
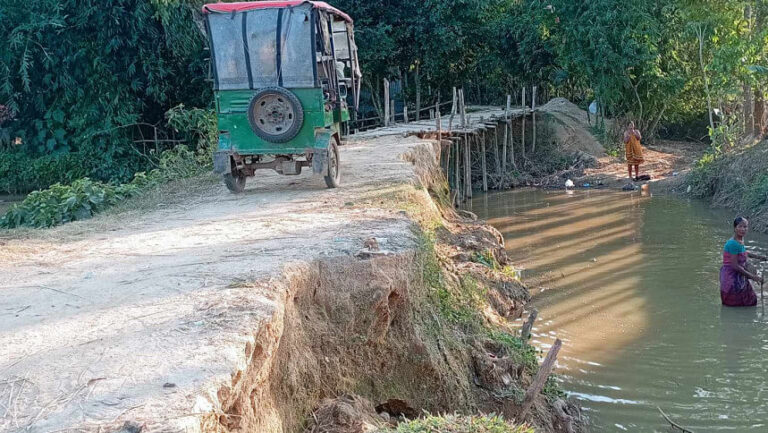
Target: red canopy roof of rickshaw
x=245, y=6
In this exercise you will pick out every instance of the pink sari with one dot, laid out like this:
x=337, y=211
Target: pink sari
x=735, y=288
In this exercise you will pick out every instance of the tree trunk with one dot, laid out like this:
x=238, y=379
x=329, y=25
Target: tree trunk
x=700, y=34
x=759, y=114
x=747, y=108
x=375, y=98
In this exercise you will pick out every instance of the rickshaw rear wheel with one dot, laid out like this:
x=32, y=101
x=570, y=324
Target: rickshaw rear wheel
x=235, y=183
x=333, y=178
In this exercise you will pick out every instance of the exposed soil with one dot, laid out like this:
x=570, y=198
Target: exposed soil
x=144, y=315
x=665, y=161
x=214, y=312
x=571, y=128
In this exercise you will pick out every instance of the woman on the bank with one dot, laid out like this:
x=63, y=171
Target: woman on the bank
x=735, y=288
x=633, y=150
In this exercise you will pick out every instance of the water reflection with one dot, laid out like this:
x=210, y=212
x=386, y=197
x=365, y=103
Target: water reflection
x=630, y=283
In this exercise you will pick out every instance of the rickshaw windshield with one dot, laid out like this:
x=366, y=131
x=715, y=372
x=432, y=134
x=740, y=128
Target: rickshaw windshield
x=249, y=55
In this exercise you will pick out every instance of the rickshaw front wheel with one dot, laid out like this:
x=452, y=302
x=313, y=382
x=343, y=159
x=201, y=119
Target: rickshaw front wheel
x=333, y=178
x=235, y=183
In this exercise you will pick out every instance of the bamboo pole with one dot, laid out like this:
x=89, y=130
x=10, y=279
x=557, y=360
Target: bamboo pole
x=533, y=114
x=522, y=134
x=457, y=176
x=453, y=110
x=496, y=151
x=541, y=378
x=386, y=102
x=417, y=79
x=462, y=108
x=467, y=168
x=405, y=113
x=504, y=153
x=512, y=144
x=485, y=168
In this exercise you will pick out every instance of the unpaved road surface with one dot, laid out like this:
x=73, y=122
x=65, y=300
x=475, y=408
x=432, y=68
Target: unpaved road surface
x=141, y=317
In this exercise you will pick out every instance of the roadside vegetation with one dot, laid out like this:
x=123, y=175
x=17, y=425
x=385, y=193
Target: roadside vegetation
x=737, y=179
x=458, y=424
x=87, y=88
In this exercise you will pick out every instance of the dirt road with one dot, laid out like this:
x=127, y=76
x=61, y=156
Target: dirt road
x=142, y=316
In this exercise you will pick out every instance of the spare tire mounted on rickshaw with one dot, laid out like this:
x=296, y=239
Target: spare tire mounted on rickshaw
x=275, y=114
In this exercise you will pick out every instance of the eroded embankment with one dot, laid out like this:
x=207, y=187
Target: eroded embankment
x=208, y=311
x=394, y=333
x=735, y=180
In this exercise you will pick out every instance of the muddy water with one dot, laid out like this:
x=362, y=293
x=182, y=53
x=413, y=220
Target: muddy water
x=630, y=284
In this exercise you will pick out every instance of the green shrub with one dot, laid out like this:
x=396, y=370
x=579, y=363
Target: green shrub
x=517, y=349
x=72, y=70
x=64, y=203
x=197, y=126
x=83, y=198
x=21, y=173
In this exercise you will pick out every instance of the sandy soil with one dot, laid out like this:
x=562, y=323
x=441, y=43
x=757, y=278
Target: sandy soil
x=571, y=128
x=665, y=161
x=141, y=316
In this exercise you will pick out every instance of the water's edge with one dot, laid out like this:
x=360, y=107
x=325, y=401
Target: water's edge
x=630, y=284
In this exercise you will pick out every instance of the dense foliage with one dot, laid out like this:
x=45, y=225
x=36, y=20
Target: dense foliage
x=84, y=197
x=657, y=62
x=79, y=79
x=75, y=76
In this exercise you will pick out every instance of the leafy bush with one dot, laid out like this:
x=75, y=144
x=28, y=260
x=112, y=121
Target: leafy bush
x=84, y=198
x=725, y=135
x=21, y=173
x=458, y=424
x=114, y=160
x=64, y=203
x=197, y=126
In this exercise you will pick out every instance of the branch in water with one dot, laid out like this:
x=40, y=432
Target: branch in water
x=672, y=423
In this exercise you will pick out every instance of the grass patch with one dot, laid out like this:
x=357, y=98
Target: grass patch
x=515, y=348
x=486, y=258
x=458, y=424
x=462, y=305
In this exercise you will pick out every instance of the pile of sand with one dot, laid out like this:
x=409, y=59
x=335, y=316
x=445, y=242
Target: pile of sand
x=571, y=128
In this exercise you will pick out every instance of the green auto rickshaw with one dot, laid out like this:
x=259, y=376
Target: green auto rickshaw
x=285, y=74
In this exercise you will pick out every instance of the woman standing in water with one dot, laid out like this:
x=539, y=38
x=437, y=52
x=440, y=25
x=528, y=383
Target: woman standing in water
x=735, y=288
